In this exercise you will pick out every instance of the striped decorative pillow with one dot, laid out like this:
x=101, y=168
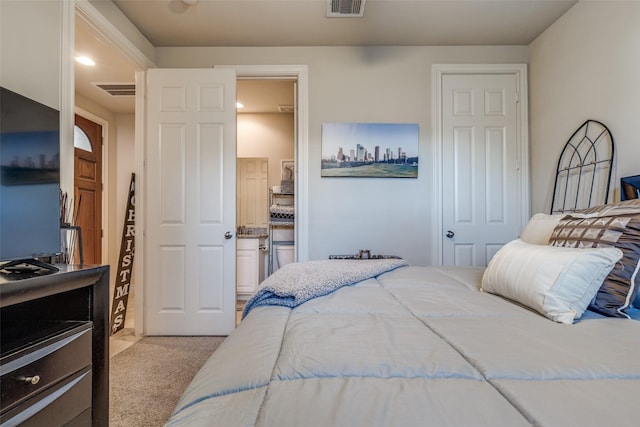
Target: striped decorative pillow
x=616, y=225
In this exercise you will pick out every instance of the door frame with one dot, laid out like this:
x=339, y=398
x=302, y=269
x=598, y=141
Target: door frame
x=83, y=9
x=438, y=71
x=300, y=73
x=104, y=241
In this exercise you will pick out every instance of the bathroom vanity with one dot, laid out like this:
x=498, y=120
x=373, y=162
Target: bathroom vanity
x=250, y=265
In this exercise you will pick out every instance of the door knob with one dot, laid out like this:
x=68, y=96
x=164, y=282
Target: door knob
x=228, y=235
x=450, y=234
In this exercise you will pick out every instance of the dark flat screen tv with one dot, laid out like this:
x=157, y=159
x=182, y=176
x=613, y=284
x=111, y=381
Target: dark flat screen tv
x=29, y=179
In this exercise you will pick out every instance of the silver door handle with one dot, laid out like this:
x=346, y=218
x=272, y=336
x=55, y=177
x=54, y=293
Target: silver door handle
x=450, y=234
x=228, y=235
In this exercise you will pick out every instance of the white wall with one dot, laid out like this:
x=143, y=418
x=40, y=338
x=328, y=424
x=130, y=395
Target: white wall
x=367, y=84
x=125, y=166
x=125, y=147
x=37, y=27
x=120, y=161
x=585, y=66
x=266, y=135
x=32, y=47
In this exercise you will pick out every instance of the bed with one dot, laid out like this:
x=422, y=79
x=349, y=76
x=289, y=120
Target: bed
x=524, y=342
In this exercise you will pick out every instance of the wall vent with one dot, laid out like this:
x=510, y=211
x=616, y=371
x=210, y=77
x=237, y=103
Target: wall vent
x=345, y=8
x=285, y=108
x=118, y=89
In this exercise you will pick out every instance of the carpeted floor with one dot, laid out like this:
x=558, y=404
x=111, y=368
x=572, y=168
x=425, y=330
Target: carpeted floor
x=148, y=378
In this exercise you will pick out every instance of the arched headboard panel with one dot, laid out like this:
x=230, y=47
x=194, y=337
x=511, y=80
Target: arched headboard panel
x=584, y=169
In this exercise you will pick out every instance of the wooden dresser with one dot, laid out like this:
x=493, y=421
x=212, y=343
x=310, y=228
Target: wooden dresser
x=54, y=348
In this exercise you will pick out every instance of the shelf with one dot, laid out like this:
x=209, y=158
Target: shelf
x=280, y=220
x=18, y=335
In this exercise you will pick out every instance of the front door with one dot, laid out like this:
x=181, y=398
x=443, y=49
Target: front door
x=190, y=204
x=88, y=189
x=480, y=174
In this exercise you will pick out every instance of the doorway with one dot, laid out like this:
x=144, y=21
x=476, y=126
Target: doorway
x=88, y=189
x=299, y=73
x=266, y=130
x=265, y=139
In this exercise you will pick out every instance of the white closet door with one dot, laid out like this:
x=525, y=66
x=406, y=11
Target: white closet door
x=480, y=176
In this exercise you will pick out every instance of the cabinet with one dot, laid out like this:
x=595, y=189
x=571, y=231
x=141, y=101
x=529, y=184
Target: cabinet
x=54, y=353
x=249, y=265
x=281, y=224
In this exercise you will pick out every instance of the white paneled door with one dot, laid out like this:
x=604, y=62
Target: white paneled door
x=253, y=192
x=190, y=202
x=480, y=172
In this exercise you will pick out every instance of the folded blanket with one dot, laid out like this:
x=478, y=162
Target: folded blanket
x=280, y=217
x=296, y=283
x=282, y=213
x=282, y=222
x=282, y=210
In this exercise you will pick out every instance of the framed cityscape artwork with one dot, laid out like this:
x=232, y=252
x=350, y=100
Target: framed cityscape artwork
x=370, y=150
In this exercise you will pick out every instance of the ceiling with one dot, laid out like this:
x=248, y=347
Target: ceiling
x=304, y=23
x=112, y=68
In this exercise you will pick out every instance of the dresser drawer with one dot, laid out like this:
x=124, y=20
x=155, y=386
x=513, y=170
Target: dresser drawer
x=67, y=403
x=36, y=367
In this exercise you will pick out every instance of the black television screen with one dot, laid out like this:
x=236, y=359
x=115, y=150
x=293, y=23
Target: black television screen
x=29, y=178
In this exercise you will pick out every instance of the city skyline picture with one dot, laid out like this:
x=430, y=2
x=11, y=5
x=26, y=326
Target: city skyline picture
x=370, y=150
x=29, y=158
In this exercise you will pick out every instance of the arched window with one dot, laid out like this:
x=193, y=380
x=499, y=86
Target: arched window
x=81, y=140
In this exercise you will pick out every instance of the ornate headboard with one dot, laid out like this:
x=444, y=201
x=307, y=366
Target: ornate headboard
x=584, y=169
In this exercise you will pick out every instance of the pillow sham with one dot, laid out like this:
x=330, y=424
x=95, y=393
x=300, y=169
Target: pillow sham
x=539, y=228
x=624, y=207
x=598, y=228
x=555, y=281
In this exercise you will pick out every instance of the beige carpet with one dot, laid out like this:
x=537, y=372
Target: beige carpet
x=148, y=378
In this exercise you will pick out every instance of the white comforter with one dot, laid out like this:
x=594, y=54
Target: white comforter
x=417, y=346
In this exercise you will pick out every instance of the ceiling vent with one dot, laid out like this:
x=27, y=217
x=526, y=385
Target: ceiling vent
x=345, y=8
x=118, y=89
x=285, y=108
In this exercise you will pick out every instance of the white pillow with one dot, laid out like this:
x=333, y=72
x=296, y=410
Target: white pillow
x=555, y=281
x=539, y=228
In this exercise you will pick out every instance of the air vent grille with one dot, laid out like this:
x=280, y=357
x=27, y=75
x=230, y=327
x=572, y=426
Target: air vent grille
x=285, y=108
x=118, y=89
x=345, y=8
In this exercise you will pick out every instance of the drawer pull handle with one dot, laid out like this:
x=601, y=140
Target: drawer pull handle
x=33, y=380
